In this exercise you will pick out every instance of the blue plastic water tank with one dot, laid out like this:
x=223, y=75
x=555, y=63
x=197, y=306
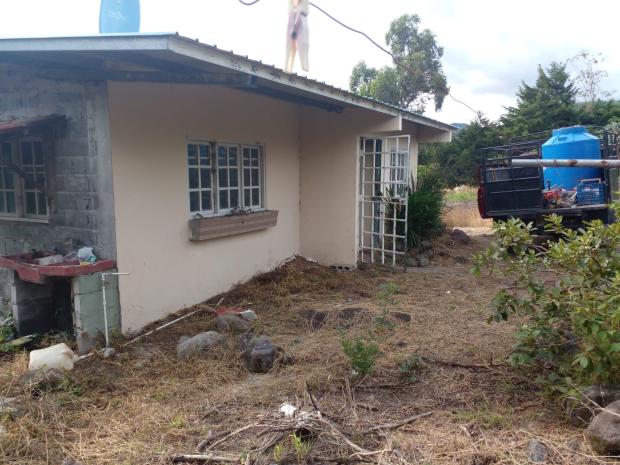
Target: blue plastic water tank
x=118, y=16
x=568, y=143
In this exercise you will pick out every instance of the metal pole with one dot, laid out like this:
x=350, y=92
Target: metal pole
x=568, y=163
x=105, y=304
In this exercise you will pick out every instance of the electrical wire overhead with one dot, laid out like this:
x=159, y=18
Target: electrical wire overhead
x=371, y=40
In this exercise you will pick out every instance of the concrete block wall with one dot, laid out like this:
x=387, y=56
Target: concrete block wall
x=81, y=211
x=88, y=309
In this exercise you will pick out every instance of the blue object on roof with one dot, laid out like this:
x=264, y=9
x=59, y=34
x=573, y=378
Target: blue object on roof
x=573, y=142
x=118, y=16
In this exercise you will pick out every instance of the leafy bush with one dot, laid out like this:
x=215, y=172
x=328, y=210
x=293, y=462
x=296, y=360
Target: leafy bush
x=362, y=354
x=569, y=291
x=425, y=206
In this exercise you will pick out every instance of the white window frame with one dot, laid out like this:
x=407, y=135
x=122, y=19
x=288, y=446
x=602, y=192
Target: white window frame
x=19, y=182
x=215, y=181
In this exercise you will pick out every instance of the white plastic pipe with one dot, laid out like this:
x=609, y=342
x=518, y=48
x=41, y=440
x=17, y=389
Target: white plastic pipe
x=567, y=163
x=105, y=304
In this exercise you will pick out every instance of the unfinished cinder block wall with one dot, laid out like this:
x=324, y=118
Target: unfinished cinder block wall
x=81, y=207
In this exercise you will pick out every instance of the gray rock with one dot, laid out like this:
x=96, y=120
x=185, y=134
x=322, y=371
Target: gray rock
x=9, y=407
x=536, y=451
x=411, y=261
x=257, y=353
x=604, y=430
x=402, y=316
x=426, y=244
x=461, y=260
x=45, y=380
x=249, y=315
x=423, y=261
x=108, y=352
x=314, y=318
x=229, y=323
x=592, y=398
x=199, y=344
x=460, y=237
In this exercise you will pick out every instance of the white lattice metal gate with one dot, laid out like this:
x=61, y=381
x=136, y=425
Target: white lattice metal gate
x=384, y=183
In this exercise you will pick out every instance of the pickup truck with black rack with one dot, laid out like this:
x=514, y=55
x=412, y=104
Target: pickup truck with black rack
x=572, y=172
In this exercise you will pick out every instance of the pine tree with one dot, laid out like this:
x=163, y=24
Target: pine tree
x=549, y=104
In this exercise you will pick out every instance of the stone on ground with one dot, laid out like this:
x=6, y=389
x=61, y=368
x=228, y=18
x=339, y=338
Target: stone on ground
x=536, y=451
x=315, y=318
x=108, y=352
x=592, y=398
x=257, y=353
x=423, y=261
x=230, y=323
x=460, y=237
x=604, y=430
x=426, y=244
x=9, y=407
x=198, y=344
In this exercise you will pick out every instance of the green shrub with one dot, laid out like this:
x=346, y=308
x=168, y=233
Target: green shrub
x=362, y=354
x=425, y=205
x=569, y=292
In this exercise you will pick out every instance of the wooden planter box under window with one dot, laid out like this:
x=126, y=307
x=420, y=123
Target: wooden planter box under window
x=202, y=229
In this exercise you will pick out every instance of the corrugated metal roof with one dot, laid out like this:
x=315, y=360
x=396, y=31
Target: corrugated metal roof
x=178, y=49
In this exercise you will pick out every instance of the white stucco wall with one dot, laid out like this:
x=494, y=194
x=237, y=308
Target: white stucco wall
x=330, y=178
x=150, y=125
x=311, y=178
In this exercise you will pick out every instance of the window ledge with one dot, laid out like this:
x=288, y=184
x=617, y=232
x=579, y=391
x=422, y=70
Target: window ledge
x=21, y=219
x=201, y=229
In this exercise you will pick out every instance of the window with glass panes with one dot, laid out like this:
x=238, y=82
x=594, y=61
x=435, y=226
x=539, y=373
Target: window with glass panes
x=33, y=168
x=8, y=191
x=224, y=178
x=199, y=160
x=23, y=178
x=252, y=196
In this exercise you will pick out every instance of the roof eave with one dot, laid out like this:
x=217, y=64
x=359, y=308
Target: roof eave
x=194, y=49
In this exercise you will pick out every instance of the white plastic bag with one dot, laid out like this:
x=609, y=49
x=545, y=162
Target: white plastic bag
x=86, y=255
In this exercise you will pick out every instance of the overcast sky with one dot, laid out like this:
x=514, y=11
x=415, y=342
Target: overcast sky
x=490, y=46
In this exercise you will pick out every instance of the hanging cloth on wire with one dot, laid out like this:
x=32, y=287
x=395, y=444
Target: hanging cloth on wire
x=297, y=34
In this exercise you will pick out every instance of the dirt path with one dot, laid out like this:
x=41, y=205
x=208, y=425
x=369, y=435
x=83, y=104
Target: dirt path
x=144, y=405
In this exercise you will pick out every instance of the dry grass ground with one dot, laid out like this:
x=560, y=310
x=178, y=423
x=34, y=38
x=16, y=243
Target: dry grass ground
x=144, y=405
x=462, y=209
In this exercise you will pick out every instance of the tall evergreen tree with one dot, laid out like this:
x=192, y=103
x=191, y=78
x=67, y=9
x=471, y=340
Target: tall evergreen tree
x=548, y=104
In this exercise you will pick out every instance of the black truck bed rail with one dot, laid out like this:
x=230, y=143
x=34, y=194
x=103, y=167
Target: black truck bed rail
x=513, y=191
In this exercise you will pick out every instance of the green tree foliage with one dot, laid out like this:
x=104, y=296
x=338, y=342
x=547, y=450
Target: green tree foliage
x=417, y=73
x=458, y=160
x=568, y=293
x=548, y=104
x=599, y=113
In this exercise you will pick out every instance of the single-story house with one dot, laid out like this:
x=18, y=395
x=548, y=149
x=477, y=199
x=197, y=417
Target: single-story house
x=186, y=166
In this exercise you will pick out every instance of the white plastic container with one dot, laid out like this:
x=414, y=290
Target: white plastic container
x=57, y=356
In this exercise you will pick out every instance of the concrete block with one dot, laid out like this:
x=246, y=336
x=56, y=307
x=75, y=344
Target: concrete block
x=72, y=148
x=73, y=183
x=72, y=165
x=88, y=307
